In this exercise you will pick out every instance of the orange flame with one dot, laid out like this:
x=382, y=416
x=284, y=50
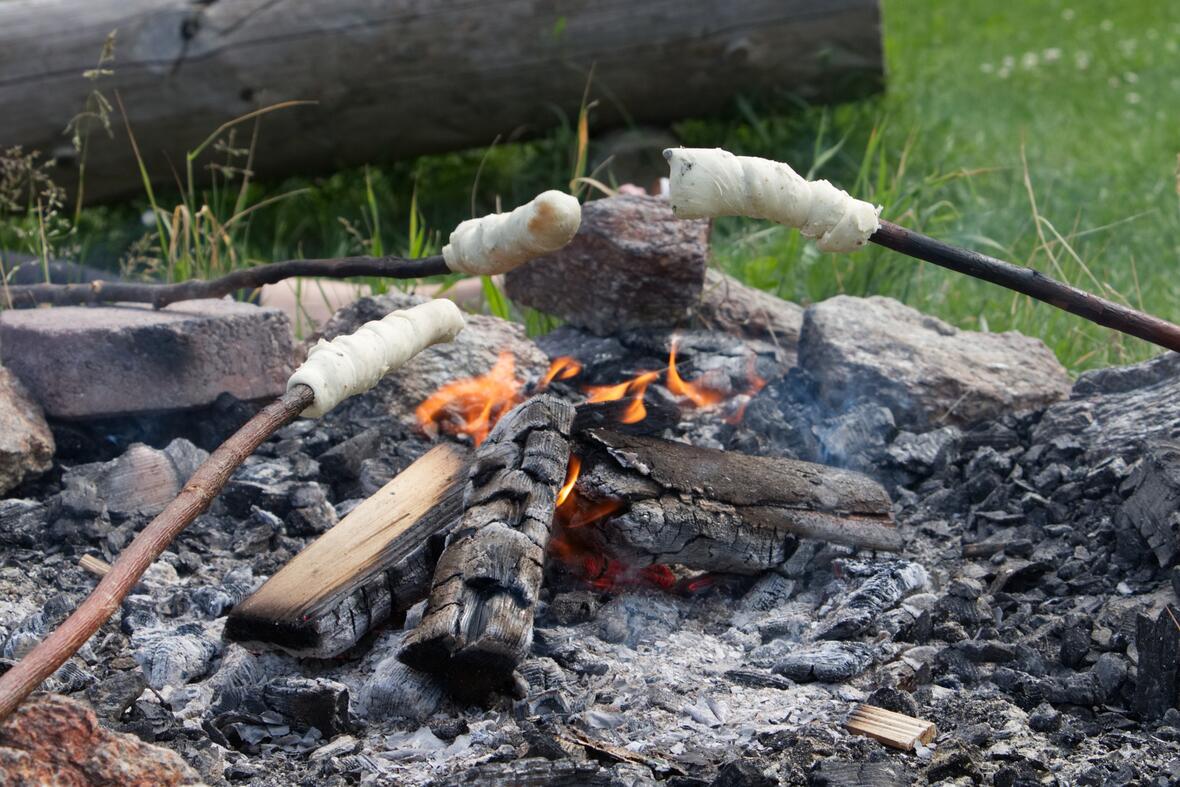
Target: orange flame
x=571, y=477
x=755, y=383
x=562, y=368
x=699, y=395
x=472, y=406
x=636, y=388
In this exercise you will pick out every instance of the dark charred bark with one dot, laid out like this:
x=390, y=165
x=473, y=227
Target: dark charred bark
x=720, y=510
x=478, y=623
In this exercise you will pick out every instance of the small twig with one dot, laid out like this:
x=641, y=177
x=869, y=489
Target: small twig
x=160, y=295
x=1031, y=283
x=95, y=565
x=104, y=600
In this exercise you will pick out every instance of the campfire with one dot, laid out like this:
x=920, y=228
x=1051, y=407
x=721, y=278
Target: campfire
x=729, y=539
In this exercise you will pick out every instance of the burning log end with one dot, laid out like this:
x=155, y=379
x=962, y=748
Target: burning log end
x=478, y=623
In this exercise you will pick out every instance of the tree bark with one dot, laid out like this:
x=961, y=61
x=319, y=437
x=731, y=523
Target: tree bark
x=27, y=296
x=375, y=563
x=721, y=510
x=406, y=77
x=478, y=623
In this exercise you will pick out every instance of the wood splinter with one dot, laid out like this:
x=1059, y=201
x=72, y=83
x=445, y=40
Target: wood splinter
x=895, y=730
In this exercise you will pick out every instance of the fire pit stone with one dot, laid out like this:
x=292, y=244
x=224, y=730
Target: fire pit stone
x=26, y=444
x=81, y=362
x=926, y=372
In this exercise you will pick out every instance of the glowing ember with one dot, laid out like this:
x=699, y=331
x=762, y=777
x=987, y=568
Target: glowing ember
x=634, y=388
x=562, y=368
x=472, y=406
x=697, y=394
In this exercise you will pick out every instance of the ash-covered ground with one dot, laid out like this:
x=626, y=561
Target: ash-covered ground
x=1029, y=617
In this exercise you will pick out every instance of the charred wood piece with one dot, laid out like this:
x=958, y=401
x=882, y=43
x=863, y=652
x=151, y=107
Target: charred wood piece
x=1153, y=507
x=478, y=623
x=722, y=510
x=374, y=564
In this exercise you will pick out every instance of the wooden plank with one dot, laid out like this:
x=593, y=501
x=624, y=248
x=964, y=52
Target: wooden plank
x=399, y=78
x=373, y=564
x=892, y=729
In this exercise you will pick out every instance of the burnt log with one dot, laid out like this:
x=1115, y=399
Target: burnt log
x=721, y=510
x=1158, y=643
x=1153, y=507
x=374, y=564
x=478, y=623
x=401, y=78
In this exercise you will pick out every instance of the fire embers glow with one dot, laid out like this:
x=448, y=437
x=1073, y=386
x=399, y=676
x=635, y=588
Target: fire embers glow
x=575, y=545
x=635, y=388
x=563, y=368
x=472, y=406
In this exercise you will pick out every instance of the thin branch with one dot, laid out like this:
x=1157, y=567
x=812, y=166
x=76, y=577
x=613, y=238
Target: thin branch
x=160, y=295
x=1031, y=283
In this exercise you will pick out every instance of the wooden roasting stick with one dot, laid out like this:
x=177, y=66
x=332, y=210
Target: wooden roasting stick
x=485, y=246
x=478, y=623
x=335, y=370
x=712, y=182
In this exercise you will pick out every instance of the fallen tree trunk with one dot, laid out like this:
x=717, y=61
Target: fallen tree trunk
x=375, y=563
x=403, y=78
x=719, y=510
x=478, y=623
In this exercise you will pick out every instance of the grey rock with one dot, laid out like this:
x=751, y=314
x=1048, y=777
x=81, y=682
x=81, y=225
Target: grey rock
x=82, y=362
x=26, y=444
x=632, y=264
x=926, y=372
x=140, y=482
x=729, y=305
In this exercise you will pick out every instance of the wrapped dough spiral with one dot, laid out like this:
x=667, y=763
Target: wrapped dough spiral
x=714, y=182
x=353, y=363
x=502, y=241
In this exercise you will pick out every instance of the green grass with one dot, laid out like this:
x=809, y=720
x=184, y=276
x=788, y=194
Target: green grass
x=1042, y=132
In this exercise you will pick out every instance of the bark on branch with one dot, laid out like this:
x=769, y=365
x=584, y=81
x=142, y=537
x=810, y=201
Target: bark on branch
x=24, y=296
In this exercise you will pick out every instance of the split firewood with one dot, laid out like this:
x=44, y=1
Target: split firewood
x=374, y=564
x=707, y=183
x=478, y=623
x=715, y=510
x=484, y=246
x=893, y=729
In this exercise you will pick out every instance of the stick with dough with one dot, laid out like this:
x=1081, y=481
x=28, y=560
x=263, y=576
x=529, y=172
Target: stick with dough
x=714, y=182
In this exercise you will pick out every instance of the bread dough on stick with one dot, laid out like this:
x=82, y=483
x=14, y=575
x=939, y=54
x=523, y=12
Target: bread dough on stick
x=352, y=364
x=714, y=182
x=502, y=241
